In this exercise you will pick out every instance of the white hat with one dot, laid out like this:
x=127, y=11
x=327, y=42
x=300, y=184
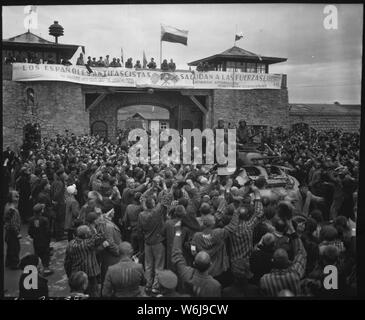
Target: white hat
x=71, y=189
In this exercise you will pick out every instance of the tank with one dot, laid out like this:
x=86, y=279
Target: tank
x=276, y=181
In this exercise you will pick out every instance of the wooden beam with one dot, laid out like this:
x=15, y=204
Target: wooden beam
x=195, y=92
x=97, y=101
x=198, y=104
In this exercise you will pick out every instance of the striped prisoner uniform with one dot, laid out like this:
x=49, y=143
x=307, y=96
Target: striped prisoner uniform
x=241, y=240
x=286, y=279
x=81, y=255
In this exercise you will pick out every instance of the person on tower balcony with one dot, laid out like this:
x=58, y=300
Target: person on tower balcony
x=138, y=65
x=152, y=64
x=106, y=61
x=100, y=62
x=129, y=63
x=114, y=63
x=165, y=65
x=80, y=60
x=172, y=65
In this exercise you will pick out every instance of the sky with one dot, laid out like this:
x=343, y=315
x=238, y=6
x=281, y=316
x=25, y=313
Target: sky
x=323, y=65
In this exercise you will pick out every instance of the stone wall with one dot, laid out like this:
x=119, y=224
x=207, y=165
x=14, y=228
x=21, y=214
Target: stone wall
x=58, y=106
x=257, y=107
x=350, y=123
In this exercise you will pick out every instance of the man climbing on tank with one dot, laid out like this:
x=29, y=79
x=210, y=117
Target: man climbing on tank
x=243, y=134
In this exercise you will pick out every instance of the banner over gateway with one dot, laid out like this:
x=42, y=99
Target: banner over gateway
x=146, y=78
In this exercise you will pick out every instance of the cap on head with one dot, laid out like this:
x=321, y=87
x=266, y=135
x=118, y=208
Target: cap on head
x=71, y=189
x=167, y=279
x=38, y=208
x=205, y=208
x=180, y=212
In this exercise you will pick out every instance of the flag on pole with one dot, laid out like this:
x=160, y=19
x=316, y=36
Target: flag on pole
x=144, y=60
x=121, y=56
x=31, y=17
x=82, y=50
x=238, y=36
x=76, y=55
x=171, y=34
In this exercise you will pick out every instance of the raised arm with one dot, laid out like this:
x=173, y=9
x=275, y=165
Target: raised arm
x=184, y=272
x=300, y=255
x=258, y=209
x=231, y=226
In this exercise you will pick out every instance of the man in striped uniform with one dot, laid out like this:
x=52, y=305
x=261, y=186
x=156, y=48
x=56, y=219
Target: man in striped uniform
x=241, y=240
x=285, y=275
x=124, y=278
x=81, y=256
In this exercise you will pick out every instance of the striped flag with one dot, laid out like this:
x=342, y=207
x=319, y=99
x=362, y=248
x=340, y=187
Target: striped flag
x=238, y=36
x=76, y=55
x=171, y=34
x=144, y=60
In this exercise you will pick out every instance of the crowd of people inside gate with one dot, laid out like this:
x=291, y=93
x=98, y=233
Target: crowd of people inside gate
x=182, y=230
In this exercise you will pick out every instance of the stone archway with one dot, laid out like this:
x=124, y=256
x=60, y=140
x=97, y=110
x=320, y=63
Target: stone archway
x=300, y=126
x=141, y=115
x=181, y=107
x=99, y=128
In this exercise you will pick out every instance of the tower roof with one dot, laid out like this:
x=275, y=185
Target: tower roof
x=28, y=37
x=31, y=40
x=238, y=54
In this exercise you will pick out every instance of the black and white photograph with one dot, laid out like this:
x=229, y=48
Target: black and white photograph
x=163, y=151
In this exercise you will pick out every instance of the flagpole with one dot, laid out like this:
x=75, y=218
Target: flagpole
x=235, y=37
x=160, y=52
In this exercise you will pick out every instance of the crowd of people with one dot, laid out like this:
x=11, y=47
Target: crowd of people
x=182, y=230
x=116, y=62
x=92, y=62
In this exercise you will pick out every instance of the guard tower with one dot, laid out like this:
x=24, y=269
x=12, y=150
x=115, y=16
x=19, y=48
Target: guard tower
x=238, y=60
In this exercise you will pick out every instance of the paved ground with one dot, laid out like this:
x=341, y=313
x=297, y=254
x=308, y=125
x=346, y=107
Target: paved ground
x=57, y=282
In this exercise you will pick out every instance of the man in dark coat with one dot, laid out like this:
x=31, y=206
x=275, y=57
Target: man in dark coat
x=243, y=133
x=124, y=278
x=58, y=200
x=40, y=233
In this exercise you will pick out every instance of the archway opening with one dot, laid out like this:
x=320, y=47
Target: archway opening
x=141, y=116
x=31, y=136
x=301, y=126
x=99, y=128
